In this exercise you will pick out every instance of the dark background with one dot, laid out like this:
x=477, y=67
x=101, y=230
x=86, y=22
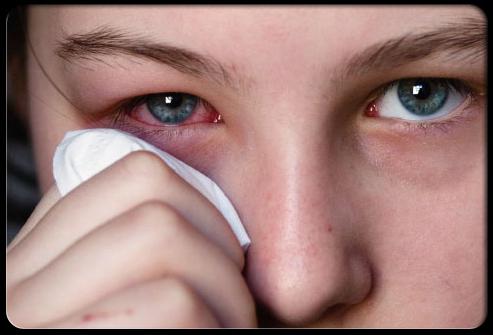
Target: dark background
x=22, y=189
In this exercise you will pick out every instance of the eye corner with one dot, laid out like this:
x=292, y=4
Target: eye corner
x=371, y=109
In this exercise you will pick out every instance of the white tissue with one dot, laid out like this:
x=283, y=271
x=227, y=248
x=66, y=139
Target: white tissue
x=84, y=153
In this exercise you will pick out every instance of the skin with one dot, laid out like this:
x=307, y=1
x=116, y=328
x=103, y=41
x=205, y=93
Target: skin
x=353, y=224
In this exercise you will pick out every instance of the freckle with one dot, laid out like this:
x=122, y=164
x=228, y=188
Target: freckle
x=92, y=316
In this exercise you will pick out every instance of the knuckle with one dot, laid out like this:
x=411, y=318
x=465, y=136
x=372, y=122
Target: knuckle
x=142, y=161
x=147, y=169
x=155, y=210
x=155, y=221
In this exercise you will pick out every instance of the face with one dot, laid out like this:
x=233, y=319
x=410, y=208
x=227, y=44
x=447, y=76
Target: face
x=354, y=155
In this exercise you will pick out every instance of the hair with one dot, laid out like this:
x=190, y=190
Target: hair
x=16, y=63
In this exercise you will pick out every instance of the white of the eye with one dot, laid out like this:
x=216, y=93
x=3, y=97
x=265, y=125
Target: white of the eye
x=390, y=106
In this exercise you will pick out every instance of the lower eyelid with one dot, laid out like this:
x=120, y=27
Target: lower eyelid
x=169, y=138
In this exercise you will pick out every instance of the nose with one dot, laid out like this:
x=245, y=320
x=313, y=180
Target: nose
x=305, y=257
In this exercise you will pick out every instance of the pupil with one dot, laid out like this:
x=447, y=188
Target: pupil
x=173, y=100
x=421, y=90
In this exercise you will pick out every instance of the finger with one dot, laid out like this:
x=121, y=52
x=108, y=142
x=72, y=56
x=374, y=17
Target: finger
x=46, y=203
x=139, y=177
x=161, y=303
x=148, y=242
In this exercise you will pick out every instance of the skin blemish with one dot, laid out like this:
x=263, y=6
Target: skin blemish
x=102, y=315
x=93, y=316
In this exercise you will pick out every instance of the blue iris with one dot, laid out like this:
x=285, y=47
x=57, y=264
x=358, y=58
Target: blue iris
x=422, y=96
x=172, y=107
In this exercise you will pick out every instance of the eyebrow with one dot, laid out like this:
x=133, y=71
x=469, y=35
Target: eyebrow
x=463, y=40
x=108, y=41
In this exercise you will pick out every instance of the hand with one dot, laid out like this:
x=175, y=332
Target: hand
x=134, y=246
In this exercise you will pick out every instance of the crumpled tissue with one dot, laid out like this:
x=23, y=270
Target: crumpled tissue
x=84, y=153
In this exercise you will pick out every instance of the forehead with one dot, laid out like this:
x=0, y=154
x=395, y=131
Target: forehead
x=258, y=38
x=258, y=18
x=241, y=30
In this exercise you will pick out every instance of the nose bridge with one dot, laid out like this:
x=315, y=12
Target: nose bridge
x=290, y=160
x=293, y=196
x=294, y=176
x=299, y=263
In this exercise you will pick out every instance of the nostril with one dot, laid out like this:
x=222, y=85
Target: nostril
x=295, y=292
x=362, y=279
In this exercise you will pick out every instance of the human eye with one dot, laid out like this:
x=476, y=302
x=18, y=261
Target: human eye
x=423, y=103
x=166, y=109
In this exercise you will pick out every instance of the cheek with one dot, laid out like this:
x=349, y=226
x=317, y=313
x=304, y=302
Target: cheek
x=423, y=221
x=424, y=163
x=425, y=197
x=428, y=248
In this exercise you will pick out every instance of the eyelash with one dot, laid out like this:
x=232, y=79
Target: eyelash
x=467, y=110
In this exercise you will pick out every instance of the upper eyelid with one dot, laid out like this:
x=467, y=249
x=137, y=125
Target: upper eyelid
x=137, y=100
x=458, y=84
